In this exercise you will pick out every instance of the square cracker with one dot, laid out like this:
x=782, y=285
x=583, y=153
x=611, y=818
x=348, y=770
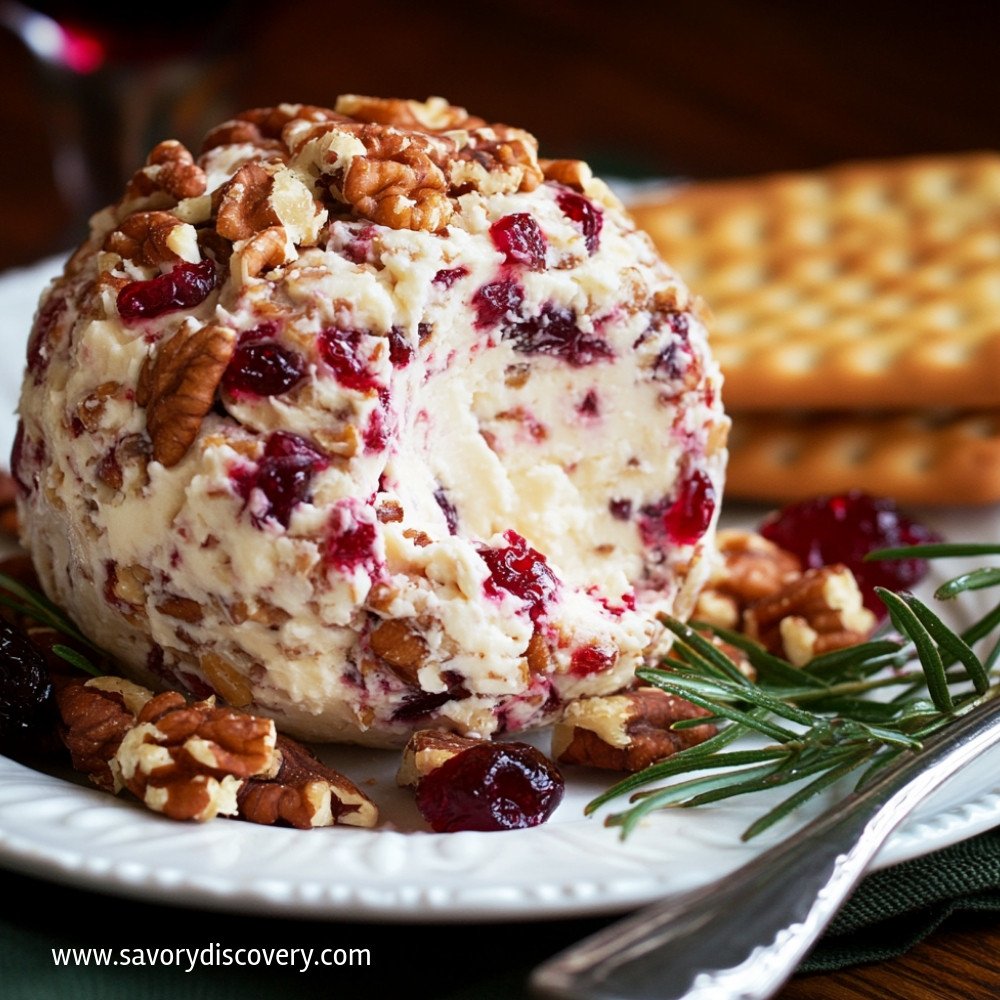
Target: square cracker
x=872, y=285
x=927, y=458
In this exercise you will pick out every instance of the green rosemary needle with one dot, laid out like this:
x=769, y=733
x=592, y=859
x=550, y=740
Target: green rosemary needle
x=818, y=722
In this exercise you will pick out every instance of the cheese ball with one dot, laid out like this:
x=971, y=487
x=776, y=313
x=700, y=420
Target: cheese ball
x=368, y=420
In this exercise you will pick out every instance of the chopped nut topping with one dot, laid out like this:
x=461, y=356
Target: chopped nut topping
x=243, y=206
x=177, y=386
x=153, y=238
x=170, y=167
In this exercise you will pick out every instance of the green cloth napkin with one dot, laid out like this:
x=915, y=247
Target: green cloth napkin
x=889, y=913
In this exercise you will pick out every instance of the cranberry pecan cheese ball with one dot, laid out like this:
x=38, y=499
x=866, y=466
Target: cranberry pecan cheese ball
x=369, y=420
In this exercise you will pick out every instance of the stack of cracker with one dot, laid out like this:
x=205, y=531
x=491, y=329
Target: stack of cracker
x=856, y=316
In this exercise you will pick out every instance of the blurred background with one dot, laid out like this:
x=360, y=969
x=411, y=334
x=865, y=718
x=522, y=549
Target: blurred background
x=699, y=88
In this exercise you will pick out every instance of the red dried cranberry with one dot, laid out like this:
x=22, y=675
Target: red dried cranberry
x=339, y=349
x=419, y=703
x=263, y=369
x=585, y=214
x=26, y=700
x=520, y=570
x=520, y=239
x=621, y=510
x=447, y=276
x=587, y=660
x=182, y=288
x=447, y=508
x=491, y=786
x=498, y=301
x=844, y=529
x=41, y=333
x=400, y=351
x=682, y=519
x=554, y=332
x=284, y=475
x=350, y=540
x=376, y=432
x=588, y=406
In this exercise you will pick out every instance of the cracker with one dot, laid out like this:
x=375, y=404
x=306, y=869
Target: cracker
x=927, y=458
x=870, y=285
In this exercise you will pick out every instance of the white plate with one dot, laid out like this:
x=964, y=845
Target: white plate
x=571, y=866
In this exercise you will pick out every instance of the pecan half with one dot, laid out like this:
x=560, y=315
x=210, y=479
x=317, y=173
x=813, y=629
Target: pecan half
x=96, y=715
x=170, y=167
x=304, y=793
x=263, y=251
x=752, y=568
x=188, y=761
x=153, y=238
x=572, y=173
x=817, y=612
x=434, y=114
x=396, y=183
x=626, y=732
x=177, y=386
x=242, y=205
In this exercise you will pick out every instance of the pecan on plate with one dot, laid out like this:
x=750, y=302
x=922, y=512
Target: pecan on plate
x=189, y=761
x=96, y=715
x=626, y=732
x=426, y=751
x=752, y=568
x=304, y=793
x=177, y=386
x=817, y=612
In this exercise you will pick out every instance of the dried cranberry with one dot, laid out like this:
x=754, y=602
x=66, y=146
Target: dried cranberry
x=498, y=301
x=182, y=288
x=844, y=529
x=448, y=509
x=376, y=432
x=491, y=786
x=520, y=570
x=340, y=350
x=621, y=510
x=683, y=518
x=447, y=276
x=418, y=704
x=263, y=369
x=554, y=332
x=284, y=474
x=589, y=660
x=350, y=540
x=520, y=239
x=26, y=698
x=585, y=214
x=400, y=351
x=588, y=406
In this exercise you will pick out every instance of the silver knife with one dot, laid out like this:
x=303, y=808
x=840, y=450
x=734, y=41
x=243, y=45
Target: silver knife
x=742, y=937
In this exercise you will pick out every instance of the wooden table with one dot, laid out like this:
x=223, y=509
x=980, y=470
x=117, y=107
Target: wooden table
x=703, y=88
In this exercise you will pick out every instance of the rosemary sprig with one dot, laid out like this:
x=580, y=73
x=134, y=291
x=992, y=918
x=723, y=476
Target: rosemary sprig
x=818, y=722
x=30, y=604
